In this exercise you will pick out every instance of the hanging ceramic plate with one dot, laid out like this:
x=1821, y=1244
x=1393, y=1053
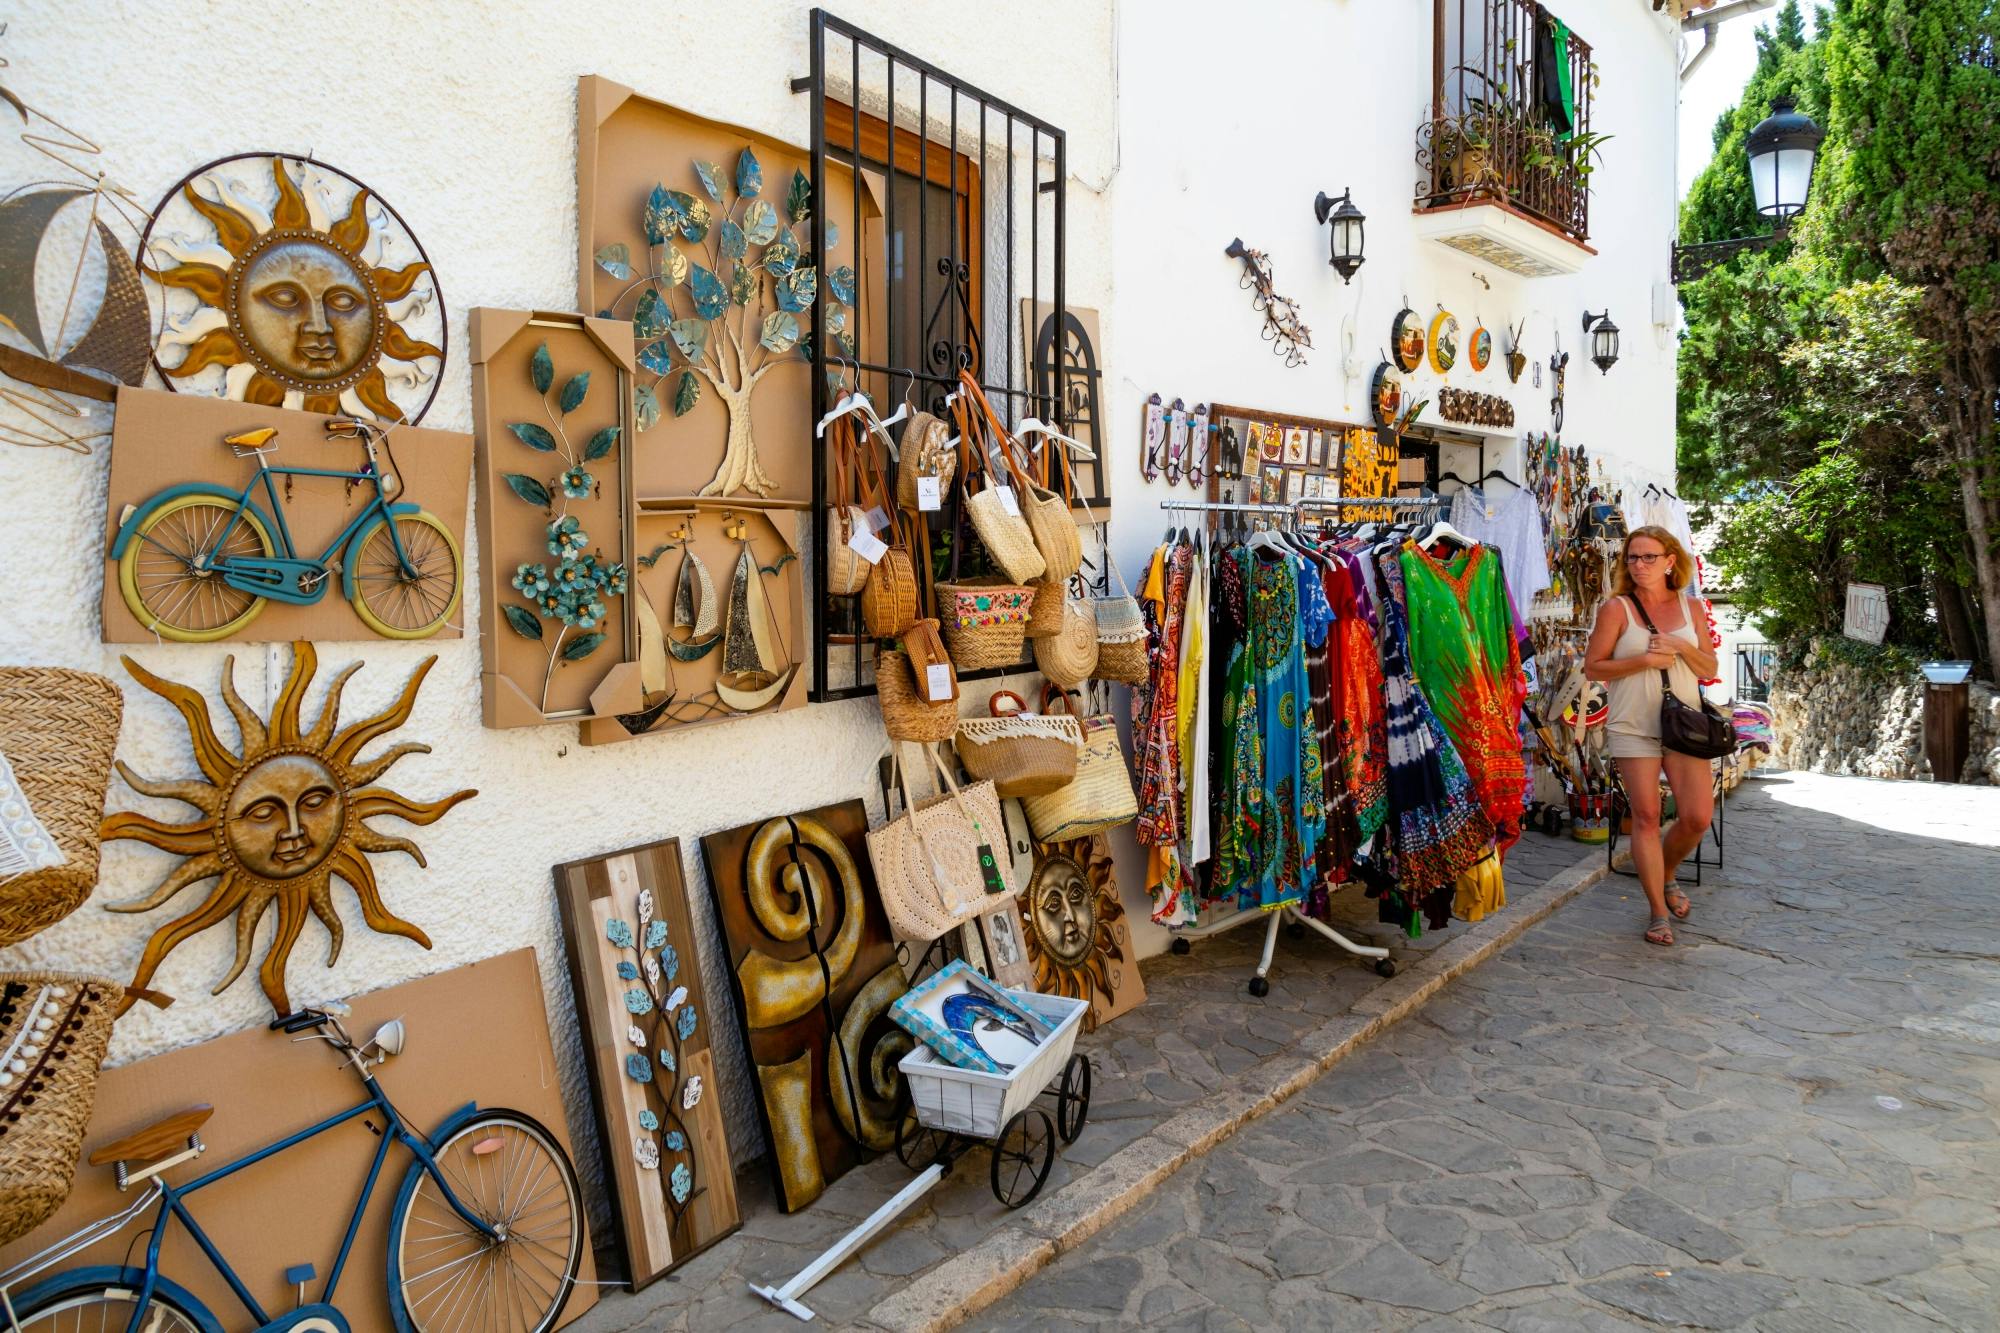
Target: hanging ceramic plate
x=1407, y=338
x=1480, y=350
x=1444, y=341
x=1387, y=395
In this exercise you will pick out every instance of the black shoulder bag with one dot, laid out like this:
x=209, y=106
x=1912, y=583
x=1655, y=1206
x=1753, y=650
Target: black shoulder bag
x=1702, y=733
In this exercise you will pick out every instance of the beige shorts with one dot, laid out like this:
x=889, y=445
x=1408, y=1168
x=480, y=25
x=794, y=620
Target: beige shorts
x=1623, y=745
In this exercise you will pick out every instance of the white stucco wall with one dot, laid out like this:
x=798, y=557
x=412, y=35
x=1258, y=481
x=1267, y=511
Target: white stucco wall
x=1183, y=131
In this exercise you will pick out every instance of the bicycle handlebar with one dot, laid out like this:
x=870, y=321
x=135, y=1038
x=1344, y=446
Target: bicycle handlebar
x=300, y=1021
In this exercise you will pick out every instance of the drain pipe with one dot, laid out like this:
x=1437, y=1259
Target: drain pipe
x=1707, y=22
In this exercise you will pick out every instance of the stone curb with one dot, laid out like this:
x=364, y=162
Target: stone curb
x=963, y=1286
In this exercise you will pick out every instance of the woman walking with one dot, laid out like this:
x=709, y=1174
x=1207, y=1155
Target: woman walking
x=1650, y=626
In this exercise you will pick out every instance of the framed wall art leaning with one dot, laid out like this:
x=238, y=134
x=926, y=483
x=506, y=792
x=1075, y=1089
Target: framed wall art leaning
x=815, y=971
x=640, y=1000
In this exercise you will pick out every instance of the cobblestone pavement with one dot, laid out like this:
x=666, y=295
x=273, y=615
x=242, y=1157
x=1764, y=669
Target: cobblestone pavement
x=1198, y=1032
x=1785, y=1122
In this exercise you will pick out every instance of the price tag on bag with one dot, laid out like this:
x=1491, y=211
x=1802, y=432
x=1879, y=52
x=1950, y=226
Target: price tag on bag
x=937, y=682
x=877, y=520
x=930, y=495
x=1007, y=500
x=867, y=545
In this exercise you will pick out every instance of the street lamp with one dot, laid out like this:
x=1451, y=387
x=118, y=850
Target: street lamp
x=1603, y=335
x=1781, y=149
x=1350, y=229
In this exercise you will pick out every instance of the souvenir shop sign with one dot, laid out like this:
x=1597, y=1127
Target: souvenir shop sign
x=1867, y=612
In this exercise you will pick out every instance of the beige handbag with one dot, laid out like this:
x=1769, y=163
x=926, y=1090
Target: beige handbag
x=1069, y=656
x=925, y=454
x=1100, y=798
x=937, y=865
x=1121, y=634
x=907, y=714
x=846, y=571
x=1005, y=534
x=1050, y=520
x=1020, y=753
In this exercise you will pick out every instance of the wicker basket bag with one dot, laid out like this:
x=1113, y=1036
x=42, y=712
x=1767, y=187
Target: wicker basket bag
x=1020, y=753
x=58, y=729
x=985, y=621
x=1100, y=798
x=846, y=572
x=1121, y=633
x=906, y=714
x=53, y=1031
x=1045, y=613
x=1003, y=532
x=1068, y=656
x=1049, y=518
x=889, y=600
x=926, y=453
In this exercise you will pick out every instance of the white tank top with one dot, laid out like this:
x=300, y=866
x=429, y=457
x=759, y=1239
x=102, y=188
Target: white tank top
x=1634, y=700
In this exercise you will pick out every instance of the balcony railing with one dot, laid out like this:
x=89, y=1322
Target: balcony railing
x=1493, y=135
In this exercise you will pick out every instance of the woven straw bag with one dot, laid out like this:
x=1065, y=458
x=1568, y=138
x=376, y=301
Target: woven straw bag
x=923, y=644
x=53, y=1031
x=1069, y=656
x=1020, y=753
x=985, y=621
x=1006, y=536
x=846, y=572
x=906, y=714
x=935, y=865
x=926, y=453
x=1100, y=798
x=889, y=600
x=1121, y=634
x=1045, y=613
x=1050, y=520
x=58, y=729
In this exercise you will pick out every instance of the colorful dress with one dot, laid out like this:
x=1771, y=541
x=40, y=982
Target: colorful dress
x=1293, y=783
x=1437, y=825
x=1363, y=754
x=1155, y=707
x=1465, y=657
x=1238, y=766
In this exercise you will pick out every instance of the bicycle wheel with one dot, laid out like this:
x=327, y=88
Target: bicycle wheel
x=392, y=602
x=158, y=576
x=86, y=1302
x=444, y=1275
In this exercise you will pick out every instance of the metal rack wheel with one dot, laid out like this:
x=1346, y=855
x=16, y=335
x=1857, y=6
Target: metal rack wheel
x=918, y=1145
x=1259, y=987
x=1073, y=1097
x=1183, y=947
x=1022, y=1156
x=1385, y=967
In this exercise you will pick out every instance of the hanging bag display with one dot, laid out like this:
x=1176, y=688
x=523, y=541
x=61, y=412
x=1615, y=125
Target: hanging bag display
x=1101, y=795
x=58, y=729
x=926, y=456
x=991, y=501
x=1700, y=733
x=846, y=571
x=902, y=689
x=1020, y=753
x=937, y=865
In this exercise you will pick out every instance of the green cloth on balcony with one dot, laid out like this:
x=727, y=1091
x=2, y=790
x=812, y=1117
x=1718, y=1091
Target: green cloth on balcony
x=1563, y=80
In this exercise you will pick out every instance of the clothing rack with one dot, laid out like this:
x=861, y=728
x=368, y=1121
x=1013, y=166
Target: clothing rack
x=1260, y=984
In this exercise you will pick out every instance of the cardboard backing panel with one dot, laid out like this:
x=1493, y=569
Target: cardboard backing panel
x=592, y=894
x=475, y=1034
x=513, y=531
x=627, y=144
x=161, y=440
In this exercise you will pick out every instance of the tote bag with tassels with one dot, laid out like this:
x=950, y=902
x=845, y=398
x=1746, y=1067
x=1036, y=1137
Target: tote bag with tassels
x=940, y=863
x=1101, y=796
x=1020, y=753
x=1005, y=534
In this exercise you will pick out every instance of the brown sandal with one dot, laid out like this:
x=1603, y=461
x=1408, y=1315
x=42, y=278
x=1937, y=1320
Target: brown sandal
x=1660, y=931
x=1678, y=904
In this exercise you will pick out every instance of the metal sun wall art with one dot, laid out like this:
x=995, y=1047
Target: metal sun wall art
x=1078, y=942
x=278, y=821
x=287, y=283
x=757, y=287
x=815, y=971
x=1283, y=329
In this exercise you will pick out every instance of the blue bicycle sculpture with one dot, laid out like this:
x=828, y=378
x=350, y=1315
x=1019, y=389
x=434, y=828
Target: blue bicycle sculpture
x=486, y=1232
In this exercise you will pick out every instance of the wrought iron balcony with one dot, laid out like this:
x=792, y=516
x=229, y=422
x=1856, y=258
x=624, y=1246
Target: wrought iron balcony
x=1510, y=121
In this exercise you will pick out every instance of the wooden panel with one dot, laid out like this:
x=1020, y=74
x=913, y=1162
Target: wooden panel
x=656, y=1231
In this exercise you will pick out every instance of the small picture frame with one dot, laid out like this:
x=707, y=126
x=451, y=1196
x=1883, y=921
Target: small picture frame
x=1315, y=484
x=1253, y=452
x=1295, y=445
x=1316, y=449
x=1274, y=444
x=1273, y=488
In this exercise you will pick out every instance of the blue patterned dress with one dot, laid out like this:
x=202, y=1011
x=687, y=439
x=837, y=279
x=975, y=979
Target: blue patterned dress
x=1294, y=795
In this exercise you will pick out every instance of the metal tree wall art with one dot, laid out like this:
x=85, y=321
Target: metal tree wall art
x=287, y=283
x=278, y=820
x=663, y=1016
x=573, y=592
x=731, y=320
x=1283, y=329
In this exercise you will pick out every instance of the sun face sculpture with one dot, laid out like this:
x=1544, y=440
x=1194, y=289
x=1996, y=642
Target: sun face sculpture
x=297, y=298
x=1071, y=908
x=279, y=821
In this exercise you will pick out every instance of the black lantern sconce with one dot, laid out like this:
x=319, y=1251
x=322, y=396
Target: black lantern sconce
x=1781, y=149
x=1603, y=335
x=1350, y=228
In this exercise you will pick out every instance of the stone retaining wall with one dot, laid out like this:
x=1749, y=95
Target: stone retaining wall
x=1834, y=716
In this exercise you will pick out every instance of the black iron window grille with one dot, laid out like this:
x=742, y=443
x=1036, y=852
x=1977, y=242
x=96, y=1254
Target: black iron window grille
x=970, y=245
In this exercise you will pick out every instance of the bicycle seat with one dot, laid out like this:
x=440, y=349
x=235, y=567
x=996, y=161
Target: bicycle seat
x=156, y=1140
x=251, y=441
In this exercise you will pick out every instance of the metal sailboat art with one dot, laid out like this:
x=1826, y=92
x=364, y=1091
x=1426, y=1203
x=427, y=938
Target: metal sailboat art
x=751, y=649
x=118, y=340
x=694, y=610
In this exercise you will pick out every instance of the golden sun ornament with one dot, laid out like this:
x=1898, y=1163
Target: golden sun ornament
x=1071, y=910
x=278, y=821
x=291, y=289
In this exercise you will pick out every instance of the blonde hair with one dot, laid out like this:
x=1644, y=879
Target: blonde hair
x=1680, y=572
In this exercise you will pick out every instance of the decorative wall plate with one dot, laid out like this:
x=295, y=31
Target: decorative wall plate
x=1479, y=350
x=1386, y=395
x=287, y=283
x=1406, y=338
x=1444, y=341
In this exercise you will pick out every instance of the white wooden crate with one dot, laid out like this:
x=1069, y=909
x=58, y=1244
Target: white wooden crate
x=976, y=1103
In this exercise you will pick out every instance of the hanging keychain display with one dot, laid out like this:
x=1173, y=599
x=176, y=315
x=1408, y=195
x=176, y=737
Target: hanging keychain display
x=1197, y=447
x=1156, y=439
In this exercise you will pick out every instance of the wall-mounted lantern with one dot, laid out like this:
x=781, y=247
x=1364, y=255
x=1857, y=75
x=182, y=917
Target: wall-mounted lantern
x=1350, y=228
x=1781, y=149
x=1603, y=335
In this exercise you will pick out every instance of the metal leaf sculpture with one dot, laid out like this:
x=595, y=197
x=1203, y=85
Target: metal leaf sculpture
x=671, y=1020
x=1283, y=329
x=279, y=819
x=704, y=264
